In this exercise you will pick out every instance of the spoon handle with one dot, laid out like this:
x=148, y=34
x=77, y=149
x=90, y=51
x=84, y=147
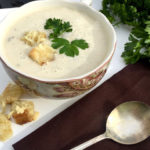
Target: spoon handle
x=90, y=142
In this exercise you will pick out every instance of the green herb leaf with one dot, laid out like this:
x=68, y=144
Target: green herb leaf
x=63, y=49
x=132, y=52
x=75, y=49
x=69, y=48
x=139, y=32
x=80, y=43
x=147, y=29
x=58, y=27
x=58, y=42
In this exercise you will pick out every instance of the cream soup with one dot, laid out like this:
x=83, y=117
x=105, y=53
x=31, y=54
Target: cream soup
x=84, y=27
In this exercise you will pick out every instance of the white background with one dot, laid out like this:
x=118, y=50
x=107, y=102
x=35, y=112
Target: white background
x=49, y=108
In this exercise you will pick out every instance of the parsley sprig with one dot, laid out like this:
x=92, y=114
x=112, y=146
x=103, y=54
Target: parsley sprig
x=136, y=14
x=69, y=48
x=59, y=27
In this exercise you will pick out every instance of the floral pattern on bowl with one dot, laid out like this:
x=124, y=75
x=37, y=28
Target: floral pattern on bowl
x=78, y=87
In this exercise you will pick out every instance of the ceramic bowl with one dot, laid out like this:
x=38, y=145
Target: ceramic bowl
x=60, y=88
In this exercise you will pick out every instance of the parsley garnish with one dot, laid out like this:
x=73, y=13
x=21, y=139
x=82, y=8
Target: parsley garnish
x=58, y=27
x=136, y=14
x=69, y=48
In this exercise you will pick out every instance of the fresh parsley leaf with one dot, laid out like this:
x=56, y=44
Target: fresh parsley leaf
x=132, y=50
x=63, y=49
x=58, y=27
x=69, y=48
x=147, y=29
x=75, y=49
x=80, y=43
x=58, y=42
x=139, y=32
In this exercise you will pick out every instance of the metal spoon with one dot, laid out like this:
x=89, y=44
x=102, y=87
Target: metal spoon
x=128, y=123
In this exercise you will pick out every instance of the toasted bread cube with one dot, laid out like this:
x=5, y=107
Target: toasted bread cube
x=34, y=37
x=42, y=54
x=23, y=112
x=5, y=128
x=12, y=92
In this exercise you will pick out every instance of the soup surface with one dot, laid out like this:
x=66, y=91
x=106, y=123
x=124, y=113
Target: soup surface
x=84, y=27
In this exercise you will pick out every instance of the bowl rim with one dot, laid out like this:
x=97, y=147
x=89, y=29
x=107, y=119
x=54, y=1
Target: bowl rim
x=70, y=79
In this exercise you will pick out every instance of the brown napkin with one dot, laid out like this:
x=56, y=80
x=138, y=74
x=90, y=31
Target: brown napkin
x=86, y=118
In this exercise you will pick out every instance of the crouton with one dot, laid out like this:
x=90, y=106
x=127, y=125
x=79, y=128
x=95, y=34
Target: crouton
x=33, y=37
x=42, y=54
x=5, y=128
x=23, y=112
x=12, y=92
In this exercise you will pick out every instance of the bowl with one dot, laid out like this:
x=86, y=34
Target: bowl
x=58, y=88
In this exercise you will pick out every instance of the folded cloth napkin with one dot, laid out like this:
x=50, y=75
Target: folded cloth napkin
x=87, y=118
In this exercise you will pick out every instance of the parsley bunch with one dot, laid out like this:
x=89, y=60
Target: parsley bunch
x=59, y=27
x=135, y=13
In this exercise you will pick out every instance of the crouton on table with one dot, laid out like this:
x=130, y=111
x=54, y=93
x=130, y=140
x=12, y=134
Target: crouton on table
x=23, y=111
x=5, y=128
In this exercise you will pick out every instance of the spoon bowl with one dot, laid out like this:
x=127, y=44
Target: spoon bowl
x=128, y=123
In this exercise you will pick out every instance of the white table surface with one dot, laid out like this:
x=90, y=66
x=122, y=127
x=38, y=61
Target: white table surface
x=48, y=108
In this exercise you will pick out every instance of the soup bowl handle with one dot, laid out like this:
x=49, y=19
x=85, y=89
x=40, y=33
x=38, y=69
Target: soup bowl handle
x=87, y=2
